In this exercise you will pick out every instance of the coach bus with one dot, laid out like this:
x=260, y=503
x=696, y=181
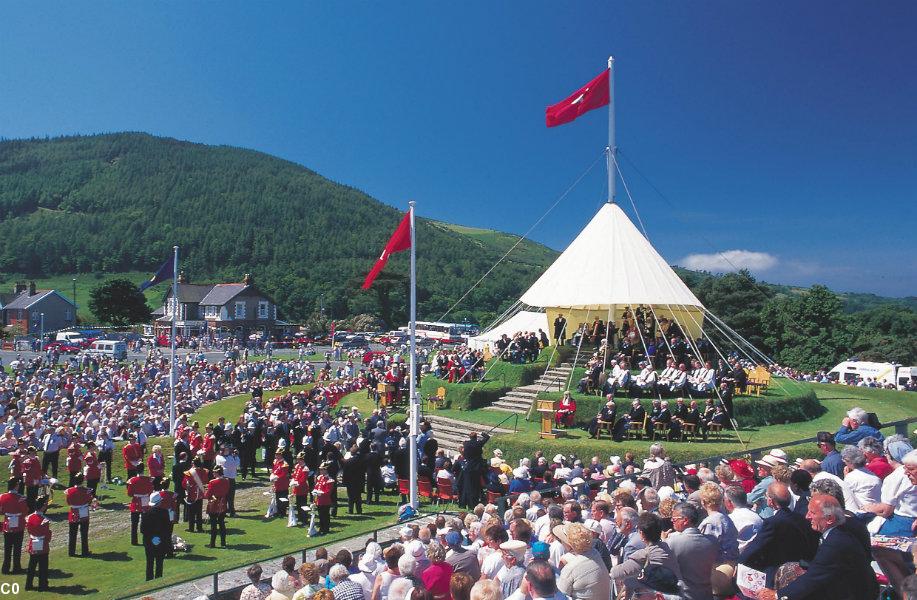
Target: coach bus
x=447, y=333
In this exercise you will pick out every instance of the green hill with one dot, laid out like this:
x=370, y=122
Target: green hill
x=118, y=202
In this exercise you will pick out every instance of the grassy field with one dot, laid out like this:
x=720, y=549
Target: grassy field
x=117, y=569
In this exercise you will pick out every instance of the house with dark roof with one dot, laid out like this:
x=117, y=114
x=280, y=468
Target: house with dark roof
x=220, y=310
x=26, y=305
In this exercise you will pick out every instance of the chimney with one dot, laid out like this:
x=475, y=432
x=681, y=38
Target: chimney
x=19, y=287
x=182, y=278
x=247, y=280
x=31, y=288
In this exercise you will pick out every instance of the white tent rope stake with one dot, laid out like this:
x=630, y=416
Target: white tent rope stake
x=523, y=236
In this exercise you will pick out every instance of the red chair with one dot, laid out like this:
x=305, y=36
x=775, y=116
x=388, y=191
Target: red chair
x=492, y=497
x=404, y=487
x=425, y=487
x=444, y=490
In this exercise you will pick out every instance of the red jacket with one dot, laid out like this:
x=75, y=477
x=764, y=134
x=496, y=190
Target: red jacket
x=92, y=470
x=133, y=455
x=196, y=442
x=325, y=485
x=217, y=492
x=31, y=471
x=74, y=459
x=39, y=529
x=155, y=465
x=77, y=497
x=299, y=482
x=282, y=476
x=168, y=503
x=195, y=488
x=209, y=447
x=13, y=506
x=139, y=488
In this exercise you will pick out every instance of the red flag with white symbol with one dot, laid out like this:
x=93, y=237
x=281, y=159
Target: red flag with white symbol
x=400, y=241
x=594, y=94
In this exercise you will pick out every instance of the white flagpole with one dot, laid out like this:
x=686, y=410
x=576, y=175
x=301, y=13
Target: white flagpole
x=174, y=319
x=412, y=398
x=612, y=148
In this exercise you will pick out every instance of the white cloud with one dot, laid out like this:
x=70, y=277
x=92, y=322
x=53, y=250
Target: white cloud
x=730, y=260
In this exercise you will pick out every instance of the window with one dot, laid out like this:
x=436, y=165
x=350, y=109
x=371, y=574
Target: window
x=263, y=306
x=68, y=315
x=240, y=310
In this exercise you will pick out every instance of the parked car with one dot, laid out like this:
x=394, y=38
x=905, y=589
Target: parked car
x=355, y=342
x=62, y=347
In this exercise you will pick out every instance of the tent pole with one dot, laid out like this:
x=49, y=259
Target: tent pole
x=612, y=149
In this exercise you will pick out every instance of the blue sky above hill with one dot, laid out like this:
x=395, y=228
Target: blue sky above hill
x=783, y=135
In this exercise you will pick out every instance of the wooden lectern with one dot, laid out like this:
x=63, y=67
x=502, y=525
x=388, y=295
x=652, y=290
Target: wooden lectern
x=547, y=409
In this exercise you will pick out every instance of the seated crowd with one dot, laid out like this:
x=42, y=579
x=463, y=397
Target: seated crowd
x=628, y=529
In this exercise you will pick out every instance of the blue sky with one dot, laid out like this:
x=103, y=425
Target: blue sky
x=784, y=132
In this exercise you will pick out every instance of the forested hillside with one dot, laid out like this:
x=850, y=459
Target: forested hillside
x=118, y=202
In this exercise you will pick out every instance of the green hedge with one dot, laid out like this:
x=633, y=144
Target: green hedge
x=501, y=378
x=749, y=411
x=756, y=412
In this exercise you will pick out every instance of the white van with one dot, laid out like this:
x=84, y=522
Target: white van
x=906, y=376
x=71, y=337
x=109, y=348
x=851, y=371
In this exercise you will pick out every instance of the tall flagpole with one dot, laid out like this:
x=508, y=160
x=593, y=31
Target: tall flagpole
x=612, y=148
x=412, y=399
x=174, y=319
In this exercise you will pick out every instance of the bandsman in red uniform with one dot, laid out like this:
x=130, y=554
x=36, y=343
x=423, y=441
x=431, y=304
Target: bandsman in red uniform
x=133, y=456
x=78, y=499
x=195, y=484
x=74, y=462
x=139, y=488
x=15, y=510
x=32, y=475
x=324, y=486
x=217, y=505
x=92, y=470
x=299, y=486
x=39, y=529
x=195, y=439
x=156, y=464
x=280, y=480
x=209, y=446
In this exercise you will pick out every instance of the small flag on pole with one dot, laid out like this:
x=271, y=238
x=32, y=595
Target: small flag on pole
x=400, y=241
x=163, y=274
x=594, y=94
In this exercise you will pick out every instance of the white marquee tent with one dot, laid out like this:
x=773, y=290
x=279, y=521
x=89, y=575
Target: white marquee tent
x=609, y=267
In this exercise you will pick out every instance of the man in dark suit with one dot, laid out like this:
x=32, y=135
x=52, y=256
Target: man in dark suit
x=607, y=415
x=560, y=330
x=473, y=453
x=784, y=537
x=154, y=525
x=841, y=568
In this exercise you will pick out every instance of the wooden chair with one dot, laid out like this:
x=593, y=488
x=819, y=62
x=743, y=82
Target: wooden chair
x=438, y=399
x=715, y=429
x=661, y=430
x=638, y=429
x=604, y=426
x=686, y=429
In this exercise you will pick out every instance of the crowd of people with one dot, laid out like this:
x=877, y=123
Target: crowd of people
x=766, y=528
